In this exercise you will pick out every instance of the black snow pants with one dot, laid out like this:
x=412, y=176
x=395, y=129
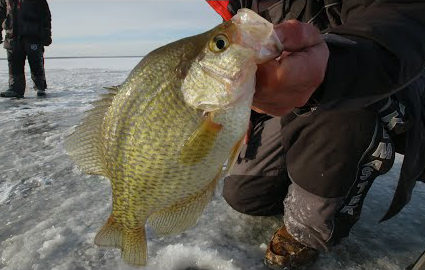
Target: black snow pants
x=16, y=56
x=313, y=167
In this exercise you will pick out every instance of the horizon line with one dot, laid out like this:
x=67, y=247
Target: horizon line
x=89, y=57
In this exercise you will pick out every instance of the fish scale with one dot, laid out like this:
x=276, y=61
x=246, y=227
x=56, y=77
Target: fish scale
x=162, y=137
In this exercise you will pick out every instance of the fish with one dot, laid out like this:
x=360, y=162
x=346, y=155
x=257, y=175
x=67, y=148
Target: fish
x=163, y=135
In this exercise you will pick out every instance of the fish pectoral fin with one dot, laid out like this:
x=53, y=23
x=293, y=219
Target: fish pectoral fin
x=132, y=242
x=234, y=154
x=183, y=214
x=201, y=141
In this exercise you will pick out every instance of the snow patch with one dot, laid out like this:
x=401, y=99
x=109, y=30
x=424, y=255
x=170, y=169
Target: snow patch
x=5, y=191
x=179, y=256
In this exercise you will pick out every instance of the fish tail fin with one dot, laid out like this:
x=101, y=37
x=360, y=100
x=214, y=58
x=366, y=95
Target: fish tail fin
x=132, y=242
x=134, y=247
x=110, y=235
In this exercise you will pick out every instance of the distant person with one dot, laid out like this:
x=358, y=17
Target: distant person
x=27, y=24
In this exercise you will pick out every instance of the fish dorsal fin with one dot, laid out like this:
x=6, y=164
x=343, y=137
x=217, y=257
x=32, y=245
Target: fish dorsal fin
x=84, y=145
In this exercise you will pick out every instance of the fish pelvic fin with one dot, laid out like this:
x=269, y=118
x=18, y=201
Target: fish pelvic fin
x=183, y=214
x=201, y=141
x=84, y=144
x=132, y=242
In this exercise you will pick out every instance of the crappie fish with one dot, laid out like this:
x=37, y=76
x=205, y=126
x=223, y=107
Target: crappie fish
x=163, y=136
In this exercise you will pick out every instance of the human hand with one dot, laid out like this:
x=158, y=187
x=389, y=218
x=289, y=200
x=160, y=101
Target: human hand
x=289, y=81
x=47, y=41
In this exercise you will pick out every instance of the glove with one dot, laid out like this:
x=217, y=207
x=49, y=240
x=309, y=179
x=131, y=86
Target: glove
x=47, y=41
x=46, y=37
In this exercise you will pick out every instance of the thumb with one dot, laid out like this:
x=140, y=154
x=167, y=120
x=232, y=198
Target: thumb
x=296, y=36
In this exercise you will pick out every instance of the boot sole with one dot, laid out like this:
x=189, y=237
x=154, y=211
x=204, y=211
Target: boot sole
x=274, y=266
x=11, y=96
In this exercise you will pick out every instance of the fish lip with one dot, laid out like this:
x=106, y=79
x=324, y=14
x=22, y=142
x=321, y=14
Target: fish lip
x=257, y=33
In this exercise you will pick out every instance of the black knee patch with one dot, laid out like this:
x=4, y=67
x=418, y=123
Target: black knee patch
x=255, y=195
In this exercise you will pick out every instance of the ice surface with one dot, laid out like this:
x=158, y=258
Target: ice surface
x=50, y=211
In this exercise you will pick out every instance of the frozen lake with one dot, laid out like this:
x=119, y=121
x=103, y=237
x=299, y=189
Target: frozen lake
x=50, y=211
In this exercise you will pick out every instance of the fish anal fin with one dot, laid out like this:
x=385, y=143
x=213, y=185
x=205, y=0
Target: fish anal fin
x=183, y=214
x=201, y=141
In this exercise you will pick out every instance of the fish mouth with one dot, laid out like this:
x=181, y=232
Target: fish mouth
x=258, y=34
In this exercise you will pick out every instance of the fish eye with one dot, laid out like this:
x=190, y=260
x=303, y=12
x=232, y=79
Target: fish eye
x=219, y=43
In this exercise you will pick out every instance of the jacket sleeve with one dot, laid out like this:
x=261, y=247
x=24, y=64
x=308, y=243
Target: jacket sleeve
x=47, y=24
x=2, y=14
x=378, y=49
x=234, y=6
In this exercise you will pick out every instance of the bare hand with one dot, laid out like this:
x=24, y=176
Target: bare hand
x=290, y=80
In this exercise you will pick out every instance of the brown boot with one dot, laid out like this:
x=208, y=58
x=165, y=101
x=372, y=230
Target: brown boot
x=286, y=253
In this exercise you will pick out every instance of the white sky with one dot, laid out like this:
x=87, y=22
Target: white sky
x=123, y=27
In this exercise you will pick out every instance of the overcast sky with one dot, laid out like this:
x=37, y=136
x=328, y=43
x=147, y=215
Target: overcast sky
x=123, y=27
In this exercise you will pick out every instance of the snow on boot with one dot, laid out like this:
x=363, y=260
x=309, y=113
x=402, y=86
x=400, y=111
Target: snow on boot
x=286, y=253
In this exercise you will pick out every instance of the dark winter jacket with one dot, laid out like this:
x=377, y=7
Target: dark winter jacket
x=28, y=19
x=377, y=49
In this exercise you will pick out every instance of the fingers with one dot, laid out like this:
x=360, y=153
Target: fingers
x=289, y=83
x=268, y=75
x=272, y=110
x=308, y=65
x=295, y=35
